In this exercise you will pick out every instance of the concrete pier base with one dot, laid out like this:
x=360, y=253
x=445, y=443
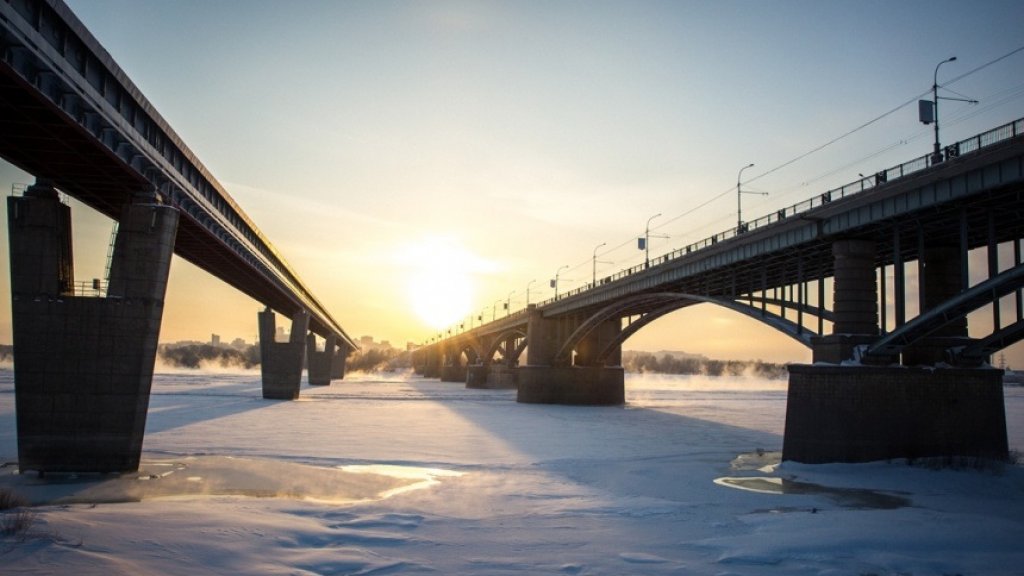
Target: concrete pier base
x=338, y=362
x=84, y=365
x=281, y=362
x=476, y=376
x=575, y=385
x=453, y=374
x=867, y=413
x=501, y=377
x=319, y=364
x=492, y=377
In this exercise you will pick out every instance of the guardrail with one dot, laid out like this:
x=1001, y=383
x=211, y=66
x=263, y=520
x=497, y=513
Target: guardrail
x=973, y=144
x=94, y=287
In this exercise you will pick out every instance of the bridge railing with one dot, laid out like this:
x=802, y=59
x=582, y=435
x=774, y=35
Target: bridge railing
x=972, y=144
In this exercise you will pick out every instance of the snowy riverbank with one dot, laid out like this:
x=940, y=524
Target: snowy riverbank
x=401, y=475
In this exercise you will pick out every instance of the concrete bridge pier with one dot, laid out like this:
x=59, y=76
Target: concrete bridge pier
x=338, y=361
x=840, y=411
x=84, y=365
x=319, y=363
x=281, y=362
x=452, y=369
x=476, y=375
x=548, y=380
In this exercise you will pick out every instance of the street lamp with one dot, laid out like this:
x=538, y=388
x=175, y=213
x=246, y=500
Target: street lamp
x=928, y=116
x=739, y=195
x=508, y=303
x=646, y=244
x=494, y=309
x=936, y=155
x=554, y=283
x=593, y=280
x=528, y=292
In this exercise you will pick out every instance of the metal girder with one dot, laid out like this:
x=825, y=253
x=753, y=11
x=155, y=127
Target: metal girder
x=670, y=301
x=979, y=351
x=500, y=341
x=951, y=310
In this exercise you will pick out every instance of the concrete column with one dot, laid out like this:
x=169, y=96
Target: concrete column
x=319, y=363
x=941, y=279
x=855, y=292
x=338, y=363
x=855, y=302
x=589, y=348
x=866, y=413
x=541, y=339
x=541, y=381
x=281, y=362
x=84, y=366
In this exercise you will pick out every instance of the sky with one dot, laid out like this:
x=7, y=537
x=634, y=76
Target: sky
x=424, y=162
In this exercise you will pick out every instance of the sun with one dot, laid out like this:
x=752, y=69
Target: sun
x=440, y=280
x=440, y=299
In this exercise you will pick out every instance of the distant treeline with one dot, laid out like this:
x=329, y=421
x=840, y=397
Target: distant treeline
x=642, y=362
x=378, y=360
x=199, y=355
x=6, y=353
x=206, y=355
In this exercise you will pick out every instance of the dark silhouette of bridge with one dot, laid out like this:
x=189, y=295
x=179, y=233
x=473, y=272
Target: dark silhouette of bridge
x=84, y=361
x=881, y=386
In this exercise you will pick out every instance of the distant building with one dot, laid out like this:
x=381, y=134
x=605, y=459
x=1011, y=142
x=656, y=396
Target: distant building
x=215, y=339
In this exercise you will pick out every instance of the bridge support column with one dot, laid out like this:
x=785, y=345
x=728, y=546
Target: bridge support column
x=83, y=365
x=452, y=368
x=281, y=362
x=502, y=377
x=319, y=363
x=542, y=382
x=476, y=375
x=338, y=361
x=861, y=413
x=855, y=302
x=941, y=279
x=453, y=373
x=866, y=413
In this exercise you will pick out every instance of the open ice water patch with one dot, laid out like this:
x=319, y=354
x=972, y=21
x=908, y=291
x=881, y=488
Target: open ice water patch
x=767, y=463
x=220, y=476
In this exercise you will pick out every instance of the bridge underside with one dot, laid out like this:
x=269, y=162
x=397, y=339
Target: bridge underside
x=879, y=286
x=70, y=117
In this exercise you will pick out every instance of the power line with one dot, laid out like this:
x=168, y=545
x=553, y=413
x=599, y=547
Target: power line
x=816, y=149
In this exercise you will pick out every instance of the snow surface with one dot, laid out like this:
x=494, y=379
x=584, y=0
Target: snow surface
x=396, y=475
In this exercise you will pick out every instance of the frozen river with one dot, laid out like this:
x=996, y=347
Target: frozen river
x=395, y=474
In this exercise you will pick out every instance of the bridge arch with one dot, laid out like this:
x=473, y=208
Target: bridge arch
x=655, y=305
x=509, y=354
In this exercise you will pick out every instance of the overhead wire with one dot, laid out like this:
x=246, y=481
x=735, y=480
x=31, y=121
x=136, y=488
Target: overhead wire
x=832, y=141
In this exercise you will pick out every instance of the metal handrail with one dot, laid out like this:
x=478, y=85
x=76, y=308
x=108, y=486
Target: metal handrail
x=973, y=144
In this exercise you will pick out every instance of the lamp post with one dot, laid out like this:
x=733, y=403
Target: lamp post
x=554, y=283
x=528, y=291
x=494, y=309
x=936, y=155
x=508, y=303
x=647, y=241
x=739, y=195
x=593, y=279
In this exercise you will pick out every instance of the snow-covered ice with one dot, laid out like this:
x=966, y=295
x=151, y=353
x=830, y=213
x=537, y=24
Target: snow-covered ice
x=396, y=474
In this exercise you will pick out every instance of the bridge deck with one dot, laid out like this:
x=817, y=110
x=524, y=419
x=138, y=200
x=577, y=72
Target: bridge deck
x=70, y=114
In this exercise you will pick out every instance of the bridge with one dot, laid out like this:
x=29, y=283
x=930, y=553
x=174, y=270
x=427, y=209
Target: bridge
x=882, y=385
x=84, y=358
